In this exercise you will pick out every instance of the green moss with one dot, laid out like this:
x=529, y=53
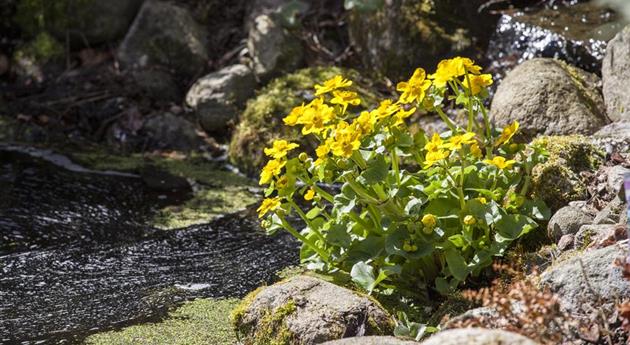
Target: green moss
x=43, y=48
x=558, y=180
x=236, y=315
x=261, y=122
x=34, y=16
x=272, y=328
x=202, y=321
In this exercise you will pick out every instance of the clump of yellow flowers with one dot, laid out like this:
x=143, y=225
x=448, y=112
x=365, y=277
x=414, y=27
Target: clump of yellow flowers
x=393, y=208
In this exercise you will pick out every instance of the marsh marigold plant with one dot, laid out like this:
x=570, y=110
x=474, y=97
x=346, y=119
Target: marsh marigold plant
x=396, y=209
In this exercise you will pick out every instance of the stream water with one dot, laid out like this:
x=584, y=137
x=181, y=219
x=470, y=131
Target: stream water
x=76, y=255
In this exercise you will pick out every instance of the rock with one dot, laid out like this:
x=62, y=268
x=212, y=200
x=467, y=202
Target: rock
x=566, y=242
x=261, y=122
x=589, y=279
x=567, y=220
x=85, y=22
x=472, y=314
x=158, y=84
x=371, y=340
x=549, y=97
x=614, y=137
x=615, y=76
x=307, y=310
x=558, y=181
x=599, y=236
x=165, y=34
x=402, y=35
x=614, y=179
x=168, y=131
x=611, y=213
x=30, y=58
x=576, y=34
x=273, y=49
x=478, y=336
x=260, y=7
x=218, y=97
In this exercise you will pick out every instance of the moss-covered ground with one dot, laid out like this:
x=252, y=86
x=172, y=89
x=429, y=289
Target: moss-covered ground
x=202, y=321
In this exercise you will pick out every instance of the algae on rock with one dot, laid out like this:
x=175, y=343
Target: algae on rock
x=558, y=181
x=261, y=122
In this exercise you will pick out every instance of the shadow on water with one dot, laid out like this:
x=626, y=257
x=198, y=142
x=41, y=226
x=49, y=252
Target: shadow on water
x=76, y=256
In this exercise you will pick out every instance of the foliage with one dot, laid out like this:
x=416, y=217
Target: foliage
x=409, y=329
x=412, y=212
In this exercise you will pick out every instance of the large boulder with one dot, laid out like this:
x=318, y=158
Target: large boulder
x=306, y=310
x=261, y=122
x=218, y=97
x=589, y=280
x=560, y=179
x=614, y=137
x=478, y=336
x=169, y=131
x=159, y=85
x=549, y=97
x=402, y=35
x=615, y=76
x=165, y=34
x=84, y=22
x=273, y=49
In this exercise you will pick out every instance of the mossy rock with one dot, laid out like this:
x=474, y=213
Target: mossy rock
x=261, y=122
x=307, y=310
x=558, y=181
x=405, y=34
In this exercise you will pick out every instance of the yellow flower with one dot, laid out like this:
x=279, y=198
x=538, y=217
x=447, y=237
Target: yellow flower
x=500, y=162
x=280, y=148
x=452, y=68
x=365, y=122
x=294, y=116
x=346, y=140
x=434, y=144
x=402, y=114
x=433, y=157
x=271, y=169
x=429, y=220
x=344, y=98
x=322, y=151
x=456, y=141
x=414, y=89
x=310, y=194
x=475, y=150
x=268, y=205
x=482, y=200
x=385, y=108
x=507, y=133
x=315, y=118
x=334, y=83
x=469, y=220
x=478, y=82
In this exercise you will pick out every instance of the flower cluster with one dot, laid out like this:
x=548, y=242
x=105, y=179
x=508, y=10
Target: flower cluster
x=411, y=209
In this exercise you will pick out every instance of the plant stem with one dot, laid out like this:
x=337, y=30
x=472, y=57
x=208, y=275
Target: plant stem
x=446, y=120
x=325, y=256
x=306, y=220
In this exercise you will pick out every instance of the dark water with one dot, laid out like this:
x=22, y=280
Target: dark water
x=77, y=257
x=577, y=34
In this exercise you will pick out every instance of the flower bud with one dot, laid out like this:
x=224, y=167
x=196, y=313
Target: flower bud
x=469, y=220
x=303, y=157
x=429, y=221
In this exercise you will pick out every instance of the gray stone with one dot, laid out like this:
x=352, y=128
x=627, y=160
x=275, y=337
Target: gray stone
x=614, y=137
x=610, y=213
x=272, y=48
x=567, y=220
x=549, y=97
x=566, y=242
x=159, y=85
x=478, y=336
x=309, y=311
x=371, y=340
x=472, y=314
x=615, y=76
x=589, y=279
x=599, y=236
x=218, y=97
x=614, y=179
x=165, y=34
x=168, y=131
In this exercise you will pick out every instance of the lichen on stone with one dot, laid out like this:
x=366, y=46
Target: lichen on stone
x=558, y=181
x=261, y=122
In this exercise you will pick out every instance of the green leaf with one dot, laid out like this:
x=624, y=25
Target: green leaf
x=363, y=275
x=314, y=212
x=456, y=264
x=537, y=209
x=338, y=236
x=458, y=240
x=377, y=170
x=513, y=226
